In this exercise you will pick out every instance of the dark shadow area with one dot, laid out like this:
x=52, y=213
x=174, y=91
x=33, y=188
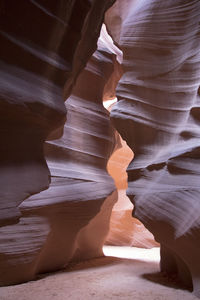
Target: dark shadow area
x=93, y=263
x=166, y=280
x=100, y=262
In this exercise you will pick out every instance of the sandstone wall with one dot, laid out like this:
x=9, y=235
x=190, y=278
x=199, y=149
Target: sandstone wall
x=44, y=46
x=157, y=114
x=124, y=229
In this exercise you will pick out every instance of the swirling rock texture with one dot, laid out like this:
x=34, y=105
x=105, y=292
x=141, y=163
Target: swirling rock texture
x=44, y=45
x=124, y=229
x=158, y=115
x=81, y=195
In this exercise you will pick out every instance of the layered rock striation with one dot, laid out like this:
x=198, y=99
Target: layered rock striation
x=44, y=46
x=124, y=229
x=157, y=114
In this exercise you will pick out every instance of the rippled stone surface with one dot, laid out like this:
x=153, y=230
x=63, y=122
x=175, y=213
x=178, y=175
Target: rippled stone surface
x=157, y=114
x=44, y=46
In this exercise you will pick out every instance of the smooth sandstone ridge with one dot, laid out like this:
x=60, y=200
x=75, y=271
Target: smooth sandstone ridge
x=43, y=49
x=158, y=115
x=44, y=46
x=124, y=229
x=81, y=195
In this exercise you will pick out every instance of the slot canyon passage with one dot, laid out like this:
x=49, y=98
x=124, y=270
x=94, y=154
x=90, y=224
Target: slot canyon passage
x=67, y=162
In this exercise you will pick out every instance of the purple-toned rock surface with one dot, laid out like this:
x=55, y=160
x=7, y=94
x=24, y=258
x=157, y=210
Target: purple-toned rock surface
x=158, y=115
x=44, y=46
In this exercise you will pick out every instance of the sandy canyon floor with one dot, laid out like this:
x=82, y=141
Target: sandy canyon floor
x=125, y=273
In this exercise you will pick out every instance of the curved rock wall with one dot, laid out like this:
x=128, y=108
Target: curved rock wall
x=44, y=46
x=157, y=114
x=81, y=195
x=124, y=229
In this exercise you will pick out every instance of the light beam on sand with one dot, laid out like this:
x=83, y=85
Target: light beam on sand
x=148, y=255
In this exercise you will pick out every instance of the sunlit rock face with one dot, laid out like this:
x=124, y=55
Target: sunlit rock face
x=44, y=46
x=124, y=229
x=81, y=192
x=157, y=114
